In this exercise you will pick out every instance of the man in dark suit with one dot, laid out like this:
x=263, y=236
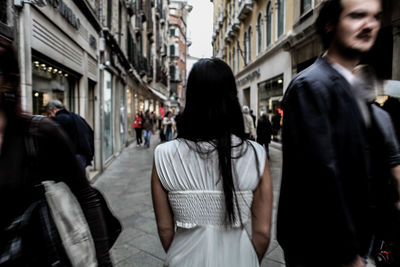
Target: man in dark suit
x=327, y=194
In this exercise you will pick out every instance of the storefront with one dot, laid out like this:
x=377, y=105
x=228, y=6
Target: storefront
x=270, y=95
x=50, y=81
x=262, y=84
x=59, y=60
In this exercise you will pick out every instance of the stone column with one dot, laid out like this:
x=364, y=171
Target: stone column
x=25, y=56
x=83, y=88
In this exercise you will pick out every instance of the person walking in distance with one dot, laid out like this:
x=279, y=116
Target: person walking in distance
x=169, y=125
x=147, y=127
x=249, y=129
x=211, y=181
x=137, y=125
x=264, y=131
x=327, y=198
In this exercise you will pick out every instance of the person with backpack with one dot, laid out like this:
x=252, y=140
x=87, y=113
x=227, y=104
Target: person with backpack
x=77, y=129
x=20, y=175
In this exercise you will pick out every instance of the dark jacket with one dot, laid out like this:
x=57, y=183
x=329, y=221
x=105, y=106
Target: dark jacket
x=392, y=106
x=264, y=130
x=79, y=132
x=55, y=161
x=324, y=208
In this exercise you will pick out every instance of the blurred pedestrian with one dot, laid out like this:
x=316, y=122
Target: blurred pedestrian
x=253, y=117
x=168, y=126
x=147, y=127
x=335, y=149
x=54, y=160
x=276, y=124
x=77, y=129
x=211, y=181
x=264, y=131
x=249, y=129
x=137, y=125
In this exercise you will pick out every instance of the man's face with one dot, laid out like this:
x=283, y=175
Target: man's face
x=358, y=25
x=51, y=113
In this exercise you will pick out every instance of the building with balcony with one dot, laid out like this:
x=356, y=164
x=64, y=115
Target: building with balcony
x=178, y=44
x=251, y=36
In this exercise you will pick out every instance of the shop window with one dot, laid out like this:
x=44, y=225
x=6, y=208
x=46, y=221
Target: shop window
x=281, y=17
x=269, y=24
x=108, y=115
x=51, y=82
x=269, y=94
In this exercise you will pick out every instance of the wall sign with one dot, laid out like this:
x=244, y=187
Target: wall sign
x=249, y=77
x=66, y=12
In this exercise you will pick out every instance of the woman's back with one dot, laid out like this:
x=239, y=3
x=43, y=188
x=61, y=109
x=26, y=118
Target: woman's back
x=195, y=194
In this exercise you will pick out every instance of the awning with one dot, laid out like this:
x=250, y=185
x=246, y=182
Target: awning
x=158, y=94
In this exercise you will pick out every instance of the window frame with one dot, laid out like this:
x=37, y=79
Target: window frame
x=259, y=33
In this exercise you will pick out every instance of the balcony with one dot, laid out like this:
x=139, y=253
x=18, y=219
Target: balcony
x=231, y=32
x=227, y=37
x=236, y=24
x=221, y=19
x=246, y=7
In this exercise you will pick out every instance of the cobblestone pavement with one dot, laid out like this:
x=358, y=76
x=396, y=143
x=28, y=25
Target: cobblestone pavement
x=126, y=185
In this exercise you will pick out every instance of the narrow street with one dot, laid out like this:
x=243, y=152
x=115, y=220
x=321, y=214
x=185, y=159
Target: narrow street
x=126, y=185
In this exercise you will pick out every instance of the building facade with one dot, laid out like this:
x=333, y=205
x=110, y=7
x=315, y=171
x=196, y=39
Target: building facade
x=102, y=59
x=267, y=42
x=178, y=46
x=251, y=37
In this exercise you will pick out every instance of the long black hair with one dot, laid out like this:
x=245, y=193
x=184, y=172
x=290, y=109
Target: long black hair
x=212, y=114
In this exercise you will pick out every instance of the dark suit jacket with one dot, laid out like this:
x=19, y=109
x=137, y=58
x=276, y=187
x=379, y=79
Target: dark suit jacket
x=324, y=207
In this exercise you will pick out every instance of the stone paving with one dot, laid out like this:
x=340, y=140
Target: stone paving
x=126, y=185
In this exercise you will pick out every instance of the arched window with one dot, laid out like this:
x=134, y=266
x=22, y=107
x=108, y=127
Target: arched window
x=249, y=36
x=245, y=48
x=259, y=33
x=269, y=24
x=281, y=17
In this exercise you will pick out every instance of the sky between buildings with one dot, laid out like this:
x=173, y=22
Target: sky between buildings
x=200, y=26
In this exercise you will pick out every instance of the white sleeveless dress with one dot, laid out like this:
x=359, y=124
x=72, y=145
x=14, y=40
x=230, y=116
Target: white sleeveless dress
x=196, y=197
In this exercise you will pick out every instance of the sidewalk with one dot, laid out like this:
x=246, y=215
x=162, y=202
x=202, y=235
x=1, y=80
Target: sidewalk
x=126, y=185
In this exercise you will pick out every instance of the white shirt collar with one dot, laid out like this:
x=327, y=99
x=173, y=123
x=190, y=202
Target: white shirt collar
x=348, y=75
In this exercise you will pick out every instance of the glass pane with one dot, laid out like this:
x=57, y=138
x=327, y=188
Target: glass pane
x=269, y=25
x=305, y=6
x=108, y=134
x=50, y=83
x=281, y=14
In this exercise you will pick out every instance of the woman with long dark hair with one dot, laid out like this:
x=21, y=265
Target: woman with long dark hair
x=210, y=182
x=54, y=160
